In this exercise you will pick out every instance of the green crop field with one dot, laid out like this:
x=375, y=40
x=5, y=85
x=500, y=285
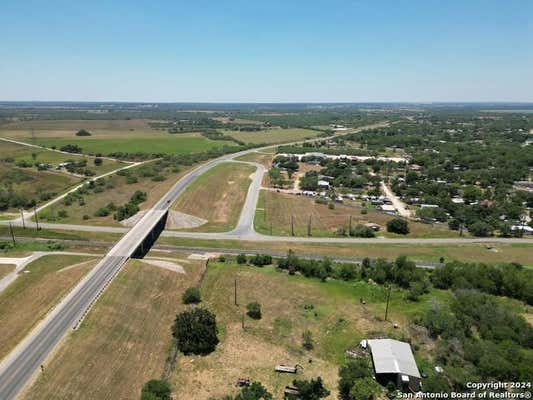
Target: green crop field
x=169, y=144
x=273, y=136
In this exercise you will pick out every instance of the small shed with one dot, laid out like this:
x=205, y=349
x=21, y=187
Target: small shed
x=394, y=361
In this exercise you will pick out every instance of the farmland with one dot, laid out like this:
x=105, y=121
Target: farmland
x=38, y=288
x=125, y=339
x=126, y=136
x=290, y=304
x=280, y=208
x=273, y=136
x=217, y=196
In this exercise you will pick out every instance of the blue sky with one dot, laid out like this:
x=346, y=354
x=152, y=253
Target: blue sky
x=267, y=51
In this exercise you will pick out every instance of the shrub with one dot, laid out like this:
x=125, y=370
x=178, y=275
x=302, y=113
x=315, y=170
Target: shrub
x=130, y=179
x=102, y=212
x=362, y=231
x=241, y=259
x=83, y=132
x=398, y=225
x=260, y=260
x=191, y=295
x=254, y=310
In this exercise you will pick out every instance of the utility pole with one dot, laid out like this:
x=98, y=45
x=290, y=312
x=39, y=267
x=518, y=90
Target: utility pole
x=22, y=218
x=387, y=306
x=350, y=226
x=235, y=291
x=271, y=229
x=309, y=227
x=242, y=323
x=12, y=234
x=292, y=225
x=36, y=217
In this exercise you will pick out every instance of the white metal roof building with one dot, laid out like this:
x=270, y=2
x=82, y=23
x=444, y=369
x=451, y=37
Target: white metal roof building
x=394, y=358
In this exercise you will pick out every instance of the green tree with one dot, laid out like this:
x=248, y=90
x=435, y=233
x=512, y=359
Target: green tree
x=364, y=389
x=398, y=225
x=256, y=391
x=195, y=331
x=311, y=390
x=350, y=372
x=241, y=259
x=155, y=390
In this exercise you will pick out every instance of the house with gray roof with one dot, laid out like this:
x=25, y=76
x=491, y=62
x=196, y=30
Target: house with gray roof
x=394, y=361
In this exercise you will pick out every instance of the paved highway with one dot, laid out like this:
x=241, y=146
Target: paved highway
x=19, y=366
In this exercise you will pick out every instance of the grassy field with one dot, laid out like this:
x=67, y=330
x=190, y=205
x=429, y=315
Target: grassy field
x=217, y=196
x=125, y=339
x=469, y=252
x=290, y=305
x=35, y=292
x=117, y=191
x=169, y=144
x=35, y=155
x=108, y=136
x=279, y=208
x=273, y=136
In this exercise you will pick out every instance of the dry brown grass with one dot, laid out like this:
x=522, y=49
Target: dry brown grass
x=258, y=157
x=68, y=128
x=27, y=300
x=324, y=221
x=124, y=340
x=6, y=269
x=217, y=196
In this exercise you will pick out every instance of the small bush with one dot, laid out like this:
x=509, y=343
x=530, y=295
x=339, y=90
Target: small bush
x=102, y=212
x=191, y=296
x=241, y=259
x=307, y=340
x=254, y=310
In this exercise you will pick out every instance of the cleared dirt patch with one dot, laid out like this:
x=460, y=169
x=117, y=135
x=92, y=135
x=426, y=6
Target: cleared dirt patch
x=35, y=292
x=217, y=196
x=165, y=264
x=123, y=342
